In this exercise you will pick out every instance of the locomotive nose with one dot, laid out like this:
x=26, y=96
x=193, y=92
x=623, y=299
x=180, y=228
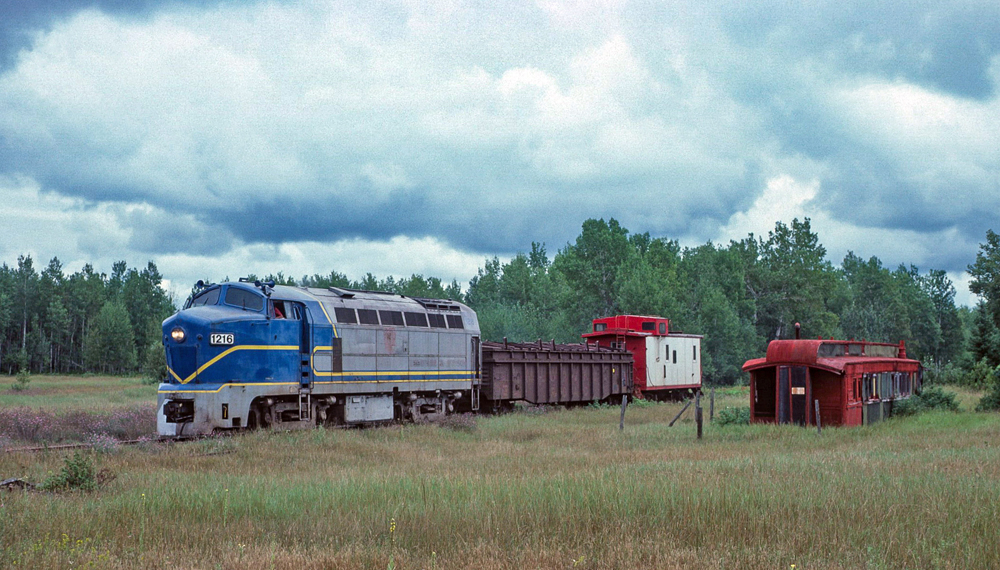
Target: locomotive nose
x=181, y=336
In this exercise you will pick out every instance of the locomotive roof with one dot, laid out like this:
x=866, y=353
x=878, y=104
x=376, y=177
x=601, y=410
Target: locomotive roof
x=369, y=298
x=834, y=355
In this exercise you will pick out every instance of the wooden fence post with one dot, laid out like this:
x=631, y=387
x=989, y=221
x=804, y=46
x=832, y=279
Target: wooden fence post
x=697, y=412
x=621, y=425
x=711, y=406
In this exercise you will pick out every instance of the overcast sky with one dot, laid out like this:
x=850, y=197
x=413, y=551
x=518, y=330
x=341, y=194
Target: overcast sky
x=220, y=138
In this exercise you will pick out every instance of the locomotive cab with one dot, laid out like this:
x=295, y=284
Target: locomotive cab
x=227, y=334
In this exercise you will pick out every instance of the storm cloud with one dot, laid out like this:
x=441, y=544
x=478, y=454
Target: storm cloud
x=207, y=128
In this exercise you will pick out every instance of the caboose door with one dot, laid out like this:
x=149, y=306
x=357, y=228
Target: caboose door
x=792, y=395
x=798, y=394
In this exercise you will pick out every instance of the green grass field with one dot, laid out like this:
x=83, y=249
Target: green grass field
x=71, y=393
x=563, y=489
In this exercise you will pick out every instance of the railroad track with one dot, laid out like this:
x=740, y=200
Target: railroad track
x=63, y=446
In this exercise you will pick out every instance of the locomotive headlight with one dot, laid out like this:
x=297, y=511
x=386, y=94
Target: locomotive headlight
x=178, y=334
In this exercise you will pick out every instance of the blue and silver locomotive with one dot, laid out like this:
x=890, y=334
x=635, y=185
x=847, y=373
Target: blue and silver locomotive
x=247, y=355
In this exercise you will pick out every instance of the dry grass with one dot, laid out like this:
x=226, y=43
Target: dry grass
x=557, y=490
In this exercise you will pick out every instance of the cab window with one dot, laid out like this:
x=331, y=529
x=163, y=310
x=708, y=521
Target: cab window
x=285, y=310
x=210, y=297
x=244, y=299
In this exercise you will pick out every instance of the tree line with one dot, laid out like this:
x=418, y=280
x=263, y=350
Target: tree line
x=82, y=322
x=739, y=296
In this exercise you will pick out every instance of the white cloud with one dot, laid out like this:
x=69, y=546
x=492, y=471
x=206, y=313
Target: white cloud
x=401, y=256
x=786, y=198
x=484, y=126
x=783, y=199
x=44, y=225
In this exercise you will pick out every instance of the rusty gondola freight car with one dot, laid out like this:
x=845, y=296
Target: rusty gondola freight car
x=550, y=373
x=855, y=382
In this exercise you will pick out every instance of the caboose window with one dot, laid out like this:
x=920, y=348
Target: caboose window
x=437, y=321
x=598, y=327
x=345, y=315
x=650, y=326
x=455, y=322
x=415, y=319
x=244, y=299
x=694, y=353
x=394, y=318
x=368, y=316
x=663, y=328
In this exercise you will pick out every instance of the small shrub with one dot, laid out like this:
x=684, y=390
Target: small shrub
x=642, y=403
x=22, y=380
x=980, y=376
x=947, y=374
x=931, y=398
x=734, y=416
x=908, y=407
x=77, y=473
x=991, y=401
x=935, y=398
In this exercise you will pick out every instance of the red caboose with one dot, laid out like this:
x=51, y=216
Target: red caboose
x=855, y=382
x=665, y=363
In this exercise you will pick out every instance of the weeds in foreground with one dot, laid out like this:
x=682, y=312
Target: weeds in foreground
x=528, y=491
x=734, y=416
x=78, y=472
x=30, y=425
x=459, y=422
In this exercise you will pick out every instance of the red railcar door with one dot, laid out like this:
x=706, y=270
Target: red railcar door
x=792, y=395
x=798, y=395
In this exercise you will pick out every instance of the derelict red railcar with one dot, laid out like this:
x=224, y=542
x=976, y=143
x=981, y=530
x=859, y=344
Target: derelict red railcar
x=665, y=363
x=855, y=382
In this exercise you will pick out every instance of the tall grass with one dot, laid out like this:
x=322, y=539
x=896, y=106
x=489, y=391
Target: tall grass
x=558, y=490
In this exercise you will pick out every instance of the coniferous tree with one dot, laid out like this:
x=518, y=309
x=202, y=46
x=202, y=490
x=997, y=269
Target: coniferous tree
x=109, y=345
